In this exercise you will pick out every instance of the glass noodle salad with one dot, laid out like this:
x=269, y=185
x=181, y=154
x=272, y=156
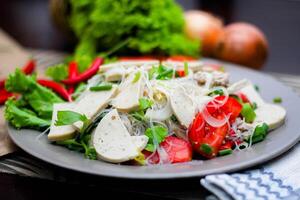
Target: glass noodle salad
x=152, y=112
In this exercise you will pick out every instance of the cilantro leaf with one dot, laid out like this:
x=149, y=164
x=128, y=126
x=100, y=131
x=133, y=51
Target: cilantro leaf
x=156, y=134
x=145, y=103
x=67, y=117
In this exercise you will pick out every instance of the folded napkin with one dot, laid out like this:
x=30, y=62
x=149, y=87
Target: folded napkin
x=279, y=179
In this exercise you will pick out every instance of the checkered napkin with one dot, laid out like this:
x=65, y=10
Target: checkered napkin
x=280, y=179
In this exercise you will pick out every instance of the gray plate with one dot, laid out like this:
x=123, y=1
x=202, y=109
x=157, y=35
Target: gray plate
x=277, y=142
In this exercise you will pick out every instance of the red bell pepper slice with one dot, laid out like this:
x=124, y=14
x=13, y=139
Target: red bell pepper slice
x=177, y=149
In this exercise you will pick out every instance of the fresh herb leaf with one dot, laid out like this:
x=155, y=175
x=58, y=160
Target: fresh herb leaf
x=248, y=113
x=139, y=115
x=206, y=148
x=161, y=73
x=137, y=77
x=216, y=92
x=186, y=69
x=145, y=103
x=57, y=72
x=156, y=134
x=67, y=117
x=259, y=134
x=101, y=87
x=277, y=100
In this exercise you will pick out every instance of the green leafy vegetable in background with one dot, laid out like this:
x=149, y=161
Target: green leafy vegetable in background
x=39, y=98
x=23, y=118
x=156, y=134
x=153, y=27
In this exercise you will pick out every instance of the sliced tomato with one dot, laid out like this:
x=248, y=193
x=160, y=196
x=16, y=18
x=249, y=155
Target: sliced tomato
x=244, y=97
x=232, y=107
x=177, y=149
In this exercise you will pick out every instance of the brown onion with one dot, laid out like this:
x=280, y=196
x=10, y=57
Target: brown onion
x=244, y=44
x=204, y=26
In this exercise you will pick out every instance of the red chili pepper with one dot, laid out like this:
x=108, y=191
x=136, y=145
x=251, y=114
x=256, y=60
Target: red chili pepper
x=56, y=88
x=27, y=69
x=4, y=95
x=178, y=150
x=87, y=74
x=73, y=72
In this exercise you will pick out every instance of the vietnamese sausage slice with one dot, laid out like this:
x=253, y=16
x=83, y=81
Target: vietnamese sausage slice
x=253, y=95
x=183, y=107
x=140, y=141
x=130, y=92
x=273, y=115
x=112, y=141
x=58, y=133
x=92, y=103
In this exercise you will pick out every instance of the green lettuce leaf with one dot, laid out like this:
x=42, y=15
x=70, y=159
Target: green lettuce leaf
x=40, y=98
x=23, y=118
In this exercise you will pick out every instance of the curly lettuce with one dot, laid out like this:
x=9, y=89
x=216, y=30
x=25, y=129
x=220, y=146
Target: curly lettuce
x=22, y=117
x=153, y=27
x=39, y=98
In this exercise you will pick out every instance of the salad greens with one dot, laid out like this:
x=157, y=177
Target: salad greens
x=23, y=118
x=155, y=134
x=152, y=27
x=81, y=142
x=39, y=98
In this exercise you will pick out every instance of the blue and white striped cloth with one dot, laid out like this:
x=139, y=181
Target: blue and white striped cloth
x=280, y=179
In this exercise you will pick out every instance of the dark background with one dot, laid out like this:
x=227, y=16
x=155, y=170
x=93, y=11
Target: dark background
x=30, y=23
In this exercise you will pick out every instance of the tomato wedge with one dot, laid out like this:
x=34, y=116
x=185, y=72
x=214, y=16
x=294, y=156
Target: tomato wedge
x=177, y=150
x=207, y=140
x=232, y=107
